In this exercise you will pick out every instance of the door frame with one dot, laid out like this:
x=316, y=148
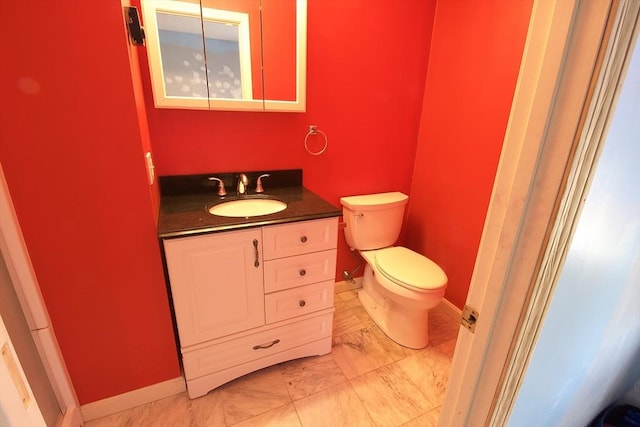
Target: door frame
x=18, y=405
x=573, y=60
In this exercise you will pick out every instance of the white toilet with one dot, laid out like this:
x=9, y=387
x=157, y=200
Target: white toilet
x=399, y=286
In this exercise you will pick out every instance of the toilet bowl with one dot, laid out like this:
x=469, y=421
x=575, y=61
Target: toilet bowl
x=399, y=285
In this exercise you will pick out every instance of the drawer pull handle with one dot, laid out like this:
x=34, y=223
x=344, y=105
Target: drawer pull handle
x=303, y=239
x=302, y=303
x=303, y=272
x=255, y=245
x=263, y=346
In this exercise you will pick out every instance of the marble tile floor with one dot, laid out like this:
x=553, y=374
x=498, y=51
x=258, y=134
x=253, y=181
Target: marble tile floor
x=367, y=380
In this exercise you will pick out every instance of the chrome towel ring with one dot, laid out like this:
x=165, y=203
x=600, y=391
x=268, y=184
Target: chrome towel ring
x=313, y=130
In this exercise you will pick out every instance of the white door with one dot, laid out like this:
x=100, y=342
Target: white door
x=18, y=407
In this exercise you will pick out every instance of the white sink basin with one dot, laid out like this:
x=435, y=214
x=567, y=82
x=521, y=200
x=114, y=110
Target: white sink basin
x=248, y=207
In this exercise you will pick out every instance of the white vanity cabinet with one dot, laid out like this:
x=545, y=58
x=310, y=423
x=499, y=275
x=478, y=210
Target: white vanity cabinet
x=248, y=299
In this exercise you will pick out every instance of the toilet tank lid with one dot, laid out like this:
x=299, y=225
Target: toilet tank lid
x=375, y=201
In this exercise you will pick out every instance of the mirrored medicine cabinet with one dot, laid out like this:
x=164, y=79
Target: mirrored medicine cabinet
x=233, y=55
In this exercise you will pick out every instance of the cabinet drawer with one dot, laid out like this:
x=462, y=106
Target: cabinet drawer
x=285, y=273
x=251, y=347
x=298, y=301
x=299, y=238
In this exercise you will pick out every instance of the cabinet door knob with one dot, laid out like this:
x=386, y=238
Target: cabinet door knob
x=302, y=303
x=303, y=239
x=303, y=272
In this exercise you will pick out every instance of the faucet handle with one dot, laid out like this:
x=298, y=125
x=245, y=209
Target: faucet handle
x=221, y=189
x=259, y=188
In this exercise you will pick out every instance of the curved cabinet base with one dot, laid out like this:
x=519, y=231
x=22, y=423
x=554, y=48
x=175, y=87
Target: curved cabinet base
x=200, y=386
x=258, y=343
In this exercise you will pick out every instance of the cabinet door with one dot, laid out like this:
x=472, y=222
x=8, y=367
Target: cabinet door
x=216, y=284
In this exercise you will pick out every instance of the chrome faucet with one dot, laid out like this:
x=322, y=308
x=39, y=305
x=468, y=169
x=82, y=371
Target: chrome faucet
x=243, y=182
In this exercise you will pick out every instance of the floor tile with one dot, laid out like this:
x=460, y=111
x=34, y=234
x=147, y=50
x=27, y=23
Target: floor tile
x=429, y=371
x=390, y=397
x=345, y=304
x=285, y=416
x=345, y=321
x=310, y=375
x=337, y=406
x=206, y=410
x=447, y=347
x=442, y=327
x=176, y=410
x=393, y=349
x=253, y=394
x=430, y=419
x=359, y=352
x=348, y=286
x=362, y=315
x=119, y=419
x=348, y=295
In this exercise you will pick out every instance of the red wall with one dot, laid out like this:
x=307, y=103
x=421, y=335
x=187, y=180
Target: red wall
x=71, y=146
x=476, y=49
x=73, y=139
x=365, y=84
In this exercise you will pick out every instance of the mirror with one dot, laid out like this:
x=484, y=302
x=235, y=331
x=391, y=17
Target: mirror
x=227, y=54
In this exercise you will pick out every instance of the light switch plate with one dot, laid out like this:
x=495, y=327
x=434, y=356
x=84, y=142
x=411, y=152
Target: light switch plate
x=151, y=170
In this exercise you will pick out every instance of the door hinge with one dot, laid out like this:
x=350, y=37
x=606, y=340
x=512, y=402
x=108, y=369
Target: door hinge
x=469, y=318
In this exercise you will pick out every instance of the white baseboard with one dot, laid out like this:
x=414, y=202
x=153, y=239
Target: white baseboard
x=131, y=399
x=454, y=312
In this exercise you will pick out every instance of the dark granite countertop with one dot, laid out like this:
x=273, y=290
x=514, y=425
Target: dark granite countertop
x=185, y=215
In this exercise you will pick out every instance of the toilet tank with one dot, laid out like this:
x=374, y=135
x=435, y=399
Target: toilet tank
x=373, y=221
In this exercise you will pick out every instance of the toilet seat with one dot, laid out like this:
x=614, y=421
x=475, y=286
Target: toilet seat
x=410, y=269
